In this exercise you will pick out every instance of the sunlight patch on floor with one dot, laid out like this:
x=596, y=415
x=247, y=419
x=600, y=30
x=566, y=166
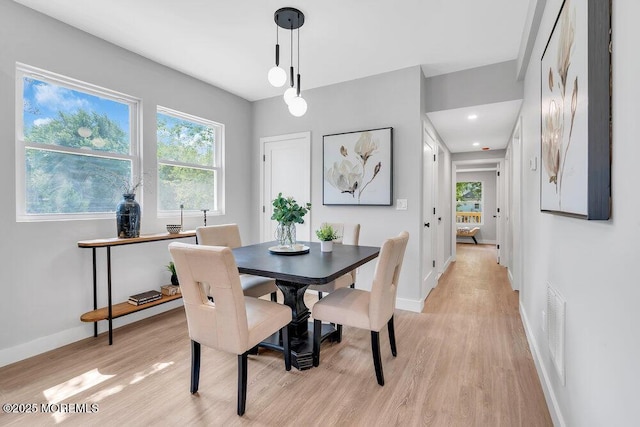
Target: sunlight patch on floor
x=157, y=367
x=67, y=389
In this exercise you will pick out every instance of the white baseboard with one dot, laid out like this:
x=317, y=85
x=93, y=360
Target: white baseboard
x=43, y=344
x=410, y=305
x=510, y=277
x=447, y=263
x=550, y=396
x=51, y=342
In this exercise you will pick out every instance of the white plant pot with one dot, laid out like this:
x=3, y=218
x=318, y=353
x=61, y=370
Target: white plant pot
x=326, y=246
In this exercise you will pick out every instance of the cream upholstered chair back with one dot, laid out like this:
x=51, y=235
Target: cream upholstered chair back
x=223, y=324
x=385, y=281
x=219, y=235
x=349, y=234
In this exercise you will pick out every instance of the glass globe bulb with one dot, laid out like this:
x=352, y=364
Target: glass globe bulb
x=277, y=76
x=289, y=94
x=298, y=106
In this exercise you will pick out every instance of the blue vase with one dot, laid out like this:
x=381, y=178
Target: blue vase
x=128, y=217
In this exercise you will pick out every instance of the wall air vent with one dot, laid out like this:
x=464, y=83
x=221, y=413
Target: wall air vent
x=555, y=329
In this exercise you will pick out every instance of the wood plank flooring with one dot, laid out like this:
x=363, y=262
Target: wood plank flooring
x=464, y=361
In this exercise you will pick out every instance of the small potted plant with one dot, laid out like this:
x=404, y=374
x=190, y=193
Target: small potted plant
x=174, y=277
x=326, y=234
x=288, y=213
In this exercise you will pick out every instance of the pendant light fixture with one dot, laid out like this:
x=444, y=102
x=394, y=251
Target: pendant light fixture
x=298, y=106
x=277, y=76
x=290, y=19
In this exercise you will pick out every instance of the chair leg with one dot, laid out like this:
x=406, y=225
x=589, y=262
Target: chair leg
x=319, y=296
x=242, y=382
x=339, y=330
x=317, y=335
x=392, y=337
x=377, y=361
x=195, y=366
x=274, y=296
x=286, y=347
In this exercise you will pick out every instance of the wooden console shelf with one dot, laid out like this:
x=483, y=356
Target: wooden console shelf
x=112, y=311
x=124, y=308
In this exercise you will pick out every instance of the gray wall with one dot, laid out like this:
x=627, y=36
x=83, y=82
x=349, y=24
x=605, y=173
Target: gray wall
x=391, y=99
x=478, y=155
x=593, y=264
x=476, y=86
x=46, y=282
x=487, y=233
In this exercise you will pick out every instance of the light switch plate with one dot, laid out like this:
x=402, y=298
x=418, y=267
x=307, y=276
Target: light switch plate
x=401, y=204
x=533, y=163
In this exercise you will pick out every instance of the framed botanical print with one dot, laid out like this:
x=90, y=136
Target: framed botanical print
x=358, y=168
x=575, y=178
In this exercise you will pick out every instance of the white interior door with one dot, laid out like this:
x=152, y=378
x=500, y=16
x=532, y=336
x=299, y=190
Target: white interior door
x=429, y=223
x=498, y=213
x=286, y=169
x=515, y=264
x=441, y=210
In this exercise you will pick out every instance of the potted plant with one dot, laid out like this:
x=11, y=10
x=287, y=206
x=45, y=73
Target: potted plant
x=174, y=277
x=288, y=213
x=326, y=234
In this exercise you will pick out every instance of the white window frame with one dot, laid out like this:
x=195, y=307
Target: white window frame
x=22, y=71
x=482, y=211
x=217, y=167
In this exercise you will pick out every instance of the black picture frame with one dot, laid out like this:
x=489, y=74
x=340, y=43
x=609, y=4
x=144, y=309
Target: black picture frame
x=575, y=112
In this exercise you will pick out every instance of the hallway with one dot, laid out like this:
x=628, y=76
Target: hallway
x=483, y=361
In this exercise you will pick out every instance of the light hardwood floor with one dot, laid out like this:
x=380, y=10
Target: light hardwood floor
x=464, y=361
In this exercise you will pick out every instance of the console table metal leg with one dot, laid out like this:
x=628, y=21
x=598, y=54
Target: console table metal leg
x=95, y=290
x=110, y=306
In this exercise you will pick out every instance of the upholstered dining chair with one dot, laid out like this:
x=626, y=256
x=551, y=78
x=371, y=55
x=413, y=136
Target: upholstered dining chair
x=229, y=235
x=349, y=234
x=364, y=309
x=233, y=323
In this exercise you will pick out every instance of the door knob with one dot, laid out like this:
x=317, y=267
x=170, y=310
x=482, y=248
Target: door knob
x=427, y=224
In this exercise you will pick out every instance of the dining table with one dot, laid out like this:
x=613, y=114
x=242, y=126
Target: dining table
x=294, y=271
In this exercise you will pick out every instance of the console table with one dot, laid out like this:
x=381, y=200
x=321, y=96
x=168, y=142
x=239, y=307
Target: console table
x=112, y=311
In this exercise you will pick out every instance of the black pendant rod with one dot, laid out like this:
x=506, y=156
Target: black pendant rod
x=277, y=47
x=291, y=73
x=298, y=89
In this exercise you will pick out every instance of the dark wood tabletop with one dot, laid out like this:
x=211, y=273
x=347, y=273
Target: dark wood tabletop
x=315, y=267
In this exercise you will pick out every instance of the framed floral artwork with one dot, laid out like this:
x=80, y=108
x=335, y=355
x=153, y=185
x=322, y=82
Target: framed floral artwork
x=358, y=168
x=575, y=178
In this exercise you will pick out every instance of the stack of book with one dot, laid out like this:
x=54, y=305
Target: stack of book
x=145, y=297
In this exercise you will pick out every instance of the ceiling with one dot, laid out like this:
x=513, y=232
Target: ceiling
x=491, y=128
x=230, y=43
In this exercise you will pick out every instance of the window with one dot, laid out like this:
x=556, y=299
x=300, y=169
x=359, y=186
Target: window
x=469, y=202
x=76, y=147
x=189, y=163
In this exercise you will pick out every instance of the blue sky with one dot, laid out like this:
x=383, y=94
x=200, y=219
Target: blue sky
x=44, y=100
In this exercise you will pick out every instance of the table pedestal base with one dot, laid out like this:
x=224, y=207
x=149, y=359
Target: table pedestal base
x=301, y=350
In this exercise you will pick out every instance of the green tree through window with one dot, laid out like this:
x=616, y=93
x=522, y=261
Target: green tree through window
x=469, y=202
x=188, y=162
x=75, y=148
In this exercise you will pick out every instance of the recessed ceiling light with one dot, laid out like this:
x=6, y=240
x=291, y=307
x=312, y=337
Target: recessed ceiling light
x=475, y=144
x=472, y=116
